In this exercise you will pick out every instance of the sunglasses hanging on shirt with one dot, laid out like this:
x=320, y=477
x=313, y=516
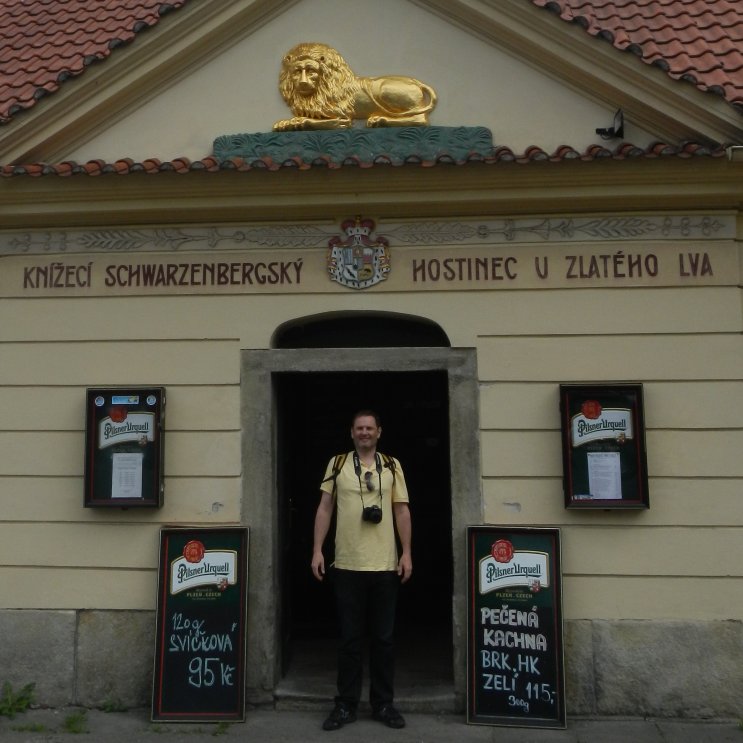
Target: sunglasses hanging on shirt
x=372, y=514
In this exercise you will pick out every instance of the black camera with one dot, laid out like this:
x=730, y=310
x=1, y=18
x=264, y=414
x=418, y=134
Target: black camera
x=372, y=514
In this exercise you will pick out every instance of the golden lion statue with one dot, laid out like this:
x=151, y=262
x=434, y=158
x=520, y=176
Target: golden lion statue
x=323, y=93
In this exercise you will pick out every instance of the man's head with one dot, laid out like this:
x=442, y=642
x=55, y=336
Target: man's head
x=365, y=430
x=366, y=413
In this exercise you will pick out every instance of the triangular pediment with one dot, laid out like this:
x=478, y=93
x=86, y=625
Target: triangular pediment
x=209, y=69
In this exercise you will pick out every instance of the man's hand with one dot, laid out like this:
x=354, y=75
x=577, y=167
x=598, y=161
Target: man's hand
x=405, y=568
x=318, y=565
x=404, y=530
x=322, y=524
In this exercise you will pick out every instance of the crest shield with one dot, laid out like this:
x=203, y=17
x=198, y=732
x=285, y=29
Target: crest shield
x=358, y=260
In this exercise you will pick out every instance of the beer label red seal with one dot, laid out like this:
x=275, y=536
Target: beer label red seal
x=591, y=409
x=194, y=551
x=502, y=551
x=117, y=413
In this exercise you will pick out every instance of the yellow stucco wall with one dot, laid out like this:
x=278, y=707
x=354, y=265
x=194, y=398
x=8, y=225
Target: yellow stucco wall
x=677, y=560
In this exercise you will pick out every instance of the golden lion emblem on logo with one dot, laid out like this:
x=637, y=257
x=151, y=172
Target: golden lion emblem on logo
x=323, y=93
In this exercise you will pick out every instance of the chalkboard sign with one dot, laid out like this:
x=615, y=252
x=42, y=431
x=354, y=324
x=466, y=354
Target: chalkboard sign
x=515, y=669
x=201, y=613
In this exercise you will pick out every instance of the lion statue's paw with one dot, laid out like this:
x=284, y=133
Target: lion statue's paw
x=373, y=121
x=290, y=125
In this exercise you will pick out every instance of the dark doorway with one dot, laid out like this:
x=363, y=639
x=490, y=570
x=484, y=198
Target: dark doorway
x=314, y=419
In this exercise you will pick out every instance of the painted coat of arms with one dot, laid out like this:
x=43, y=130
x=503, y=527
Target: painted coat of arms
x=358, y=260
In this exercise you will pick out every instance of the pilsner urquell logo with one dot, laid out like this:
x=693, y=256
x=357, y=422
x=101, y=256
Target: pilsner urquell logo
x=594, y=423
x=121, y=426
x=506, y=567
x=199, y=567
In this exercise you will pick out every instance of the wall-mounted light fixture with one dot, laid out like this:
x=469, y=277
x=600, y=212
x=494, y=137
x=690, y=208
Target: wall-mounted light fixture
x=616, y=131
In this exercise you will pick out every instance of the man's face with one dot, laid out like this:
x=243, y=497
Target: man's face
x=365, y=432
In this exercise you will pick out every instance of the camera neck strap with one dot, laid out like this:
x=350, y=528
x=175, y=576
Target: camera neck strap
x=357, y=469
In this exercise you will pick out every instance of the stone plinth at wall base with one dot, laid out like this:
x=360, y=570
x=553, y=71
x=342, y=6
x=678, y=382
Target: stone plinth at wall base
x=668, y=669
x=632, y=668
x=39, y=648
x=115, y=651
x=580, y=682
x=629, y=668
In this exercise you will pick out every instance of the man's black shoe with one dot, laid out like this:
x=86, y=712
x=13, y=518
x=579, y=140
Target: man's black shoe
x=340, y=716
x=389, y=716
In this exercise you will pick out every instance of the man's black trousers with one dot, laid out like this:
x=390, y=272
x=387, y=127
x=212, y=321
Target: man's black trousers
x=366, y=603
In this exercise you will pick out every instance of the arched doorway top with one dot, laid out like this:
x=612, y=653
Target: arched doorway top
x=360, y=330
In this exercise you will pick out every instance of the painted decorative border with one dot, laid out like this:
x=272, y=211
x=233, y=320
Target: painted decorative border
x=425, y=233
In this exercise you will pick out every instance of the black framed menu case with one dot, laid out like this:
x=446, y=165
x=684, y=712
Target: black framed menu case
x=603, y=446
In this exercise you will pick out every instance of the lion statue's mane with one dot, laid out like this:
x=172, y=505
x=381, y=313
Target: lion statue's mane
x=337, y=87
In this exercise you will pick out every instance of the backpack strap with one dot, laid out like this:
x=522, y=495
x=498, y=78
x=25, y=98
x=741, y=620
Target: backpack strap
x=389, y=463
x=338, y=462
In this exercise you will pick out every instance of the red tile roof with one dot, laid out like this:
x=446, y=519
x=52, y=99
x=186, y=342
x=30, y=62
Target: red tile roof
x=182, y=165
x=700, y=41
x=45, y=42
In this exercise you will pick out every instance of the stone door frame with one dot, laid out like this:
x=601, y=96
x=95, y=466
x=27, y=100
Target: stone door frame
x=260, y=499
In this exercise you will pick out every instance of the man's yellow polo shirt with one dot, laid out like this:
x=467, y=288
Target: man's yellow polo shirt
x=359, y=544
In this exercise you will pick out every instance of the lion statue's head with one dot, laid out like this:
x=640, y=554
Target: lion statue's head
x=316, y=82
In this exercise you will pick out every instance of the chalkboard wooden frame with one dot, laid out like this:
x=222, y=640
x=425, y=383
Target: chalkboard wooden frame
x=604, y=420
x=515, y=656
x=200, y=646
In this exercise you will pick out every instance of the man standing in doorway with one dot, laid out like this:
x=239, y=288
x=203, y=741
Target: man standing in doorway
x=369, y=490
